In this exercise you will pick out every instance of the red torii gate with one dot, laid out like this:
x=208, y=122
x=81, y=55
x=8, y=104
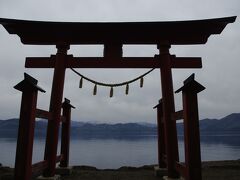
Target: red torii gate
x=113, y=36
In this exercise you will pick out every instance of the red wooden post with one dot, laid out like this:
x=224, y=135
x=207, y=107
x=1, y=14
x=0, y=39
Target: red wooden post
x=191, y=128
x=65, y=141
x=55, y=109
x=168, y=109
x=23, y=161
x=161, y=140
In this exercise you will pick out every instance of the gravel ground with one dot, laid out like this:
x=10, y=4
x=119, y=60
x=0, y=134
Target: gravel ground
x=84, y=173
x=214, y=170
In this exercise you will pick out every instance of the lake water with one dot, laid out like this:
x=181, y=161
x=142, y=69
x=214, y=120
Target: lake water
x=114, y=153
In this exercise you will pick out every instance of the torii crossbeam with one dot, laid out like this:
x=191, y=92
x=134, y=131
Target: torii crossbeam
x=124, y=62
x=113, y=36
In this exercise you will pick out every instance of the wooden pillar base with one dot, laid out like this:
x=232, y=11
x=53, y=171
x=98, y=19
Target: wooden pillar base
x=56, y=177
x=160, y=172
x=64, y=171
x=168, y=178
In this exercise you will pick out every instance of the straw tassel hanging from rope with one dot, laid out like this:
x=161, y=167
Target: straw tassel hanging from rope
x=111, y=92
x=95, y=89
x=141, y=82
x=127, y=89
x=81, y=83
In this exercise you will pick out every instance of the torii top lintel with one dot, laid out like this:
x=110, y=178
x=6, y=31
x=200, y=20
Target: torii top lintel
x=172, y=32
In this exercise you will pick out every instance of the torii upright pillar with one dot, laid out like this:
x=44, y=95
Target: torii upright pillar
x=168, y=108
x=55, y=109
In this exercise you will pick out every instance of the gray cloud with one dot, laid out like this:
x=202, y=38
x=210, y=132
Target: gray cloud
x=219, y=74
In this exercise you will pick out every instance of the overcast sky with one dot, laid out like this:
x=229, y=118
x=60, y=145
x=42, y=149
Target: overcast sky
x=220, y=56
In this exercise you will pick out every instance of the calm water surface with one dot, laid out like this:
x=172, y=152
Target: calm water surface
x=114, y=153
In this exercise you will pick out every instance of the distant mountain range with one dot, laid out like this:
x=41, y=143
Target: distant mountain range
x=228, y=124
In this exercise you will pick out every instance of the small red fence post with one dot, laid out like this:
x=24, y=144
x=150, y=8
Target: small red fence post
x=65, y=140
x=191, y=128
x=161, y=138
x=23, y=161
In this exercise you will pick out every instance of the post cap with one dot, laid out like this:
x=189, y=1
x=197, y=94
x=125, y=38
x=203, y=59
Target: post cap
x=28, y=83
x=191, y=85
x=67, y=103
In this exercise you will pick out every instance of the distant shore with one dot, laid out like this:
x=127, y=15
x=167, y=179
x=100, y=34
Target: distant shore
x=212, y=170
